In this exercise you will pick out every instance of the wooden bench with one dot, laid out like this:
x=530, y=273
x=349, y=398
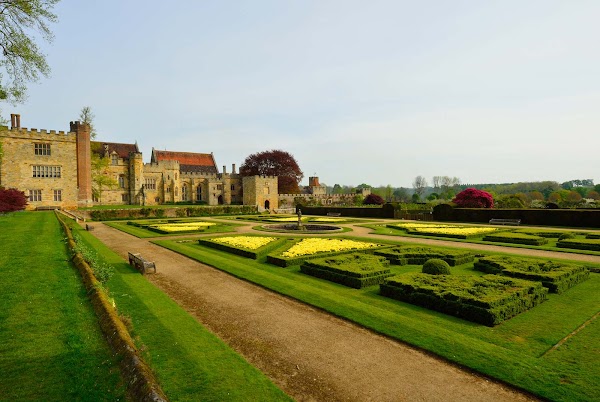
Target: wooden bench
x=140, y=263
x=334, y=214
x=505, y=221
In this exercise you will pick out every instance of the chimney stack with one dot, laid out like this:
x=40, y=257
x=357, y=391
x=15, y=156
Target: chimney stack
x=224, y=169
x=15, y=121
x=233, y=168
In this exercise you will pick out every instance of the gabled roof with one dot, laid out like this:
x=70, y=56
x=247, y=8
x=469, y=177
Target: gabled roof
x=188, y=161
x=122, y=150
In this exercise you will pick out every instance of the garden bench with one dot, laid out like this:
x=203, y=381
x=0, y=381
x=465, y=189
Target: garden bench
x=334, y=213
x=140, y=263
x=505, y=221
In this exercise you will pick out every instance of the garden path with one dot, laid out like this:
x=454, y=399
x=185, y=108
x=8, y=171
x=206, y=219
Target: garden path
x=311, y=355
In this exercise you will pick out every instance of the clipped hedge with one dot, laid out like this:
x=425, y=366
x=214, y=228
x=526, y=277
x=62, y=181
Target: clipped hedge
x=557, y=277
x=419, y=255
x=354, y=270
x=488, y=299
x=580, y=244
x=517, y=238
x=593, y=236
x=243, y=252
x=435, y=266
x=549, y=234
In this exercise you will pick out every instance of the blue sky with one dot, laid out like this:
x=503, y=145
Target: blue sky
x=375, y=92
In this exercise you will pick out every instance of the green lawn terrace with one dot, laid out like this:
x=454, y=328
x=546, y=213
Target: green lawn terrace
x=355, y=270
x=556, y=276
x=310, y=247
x=249, y=246
x=487, y=300
x=410, y=255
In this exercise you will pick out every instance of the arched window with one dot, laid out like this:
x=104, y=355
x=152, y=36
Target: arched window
x=199, y=193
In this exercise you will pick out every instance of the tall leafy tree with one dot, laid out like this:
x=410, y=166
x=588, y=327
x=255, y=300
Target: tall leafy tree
x=21, y=61
x=275, y=163
x=101, y=178
x=420, y=185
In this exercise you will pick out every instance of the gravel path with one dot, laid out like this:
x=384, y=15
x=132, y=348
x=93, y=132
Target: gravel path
x=310, y=354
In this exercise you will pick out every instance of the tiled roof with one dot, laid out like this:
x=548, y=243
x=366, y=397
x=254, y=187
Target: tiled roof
x=189, y=159
x=123, y=150
x=197, y=169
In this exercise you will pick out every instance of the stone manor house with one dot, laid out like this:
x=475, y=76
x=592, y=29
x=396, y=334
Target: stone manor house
x=54, y=169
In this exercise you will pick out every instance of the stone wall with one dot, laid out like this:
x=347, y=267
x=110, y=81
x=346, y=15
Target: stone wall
x=17, y=166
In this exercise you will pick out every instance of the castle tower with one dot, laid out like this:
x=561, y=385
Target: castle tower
x=84, y=161
x=136, y=179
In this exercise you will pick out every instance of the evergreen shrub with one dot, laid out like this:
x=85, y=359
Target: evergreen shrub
x=487, y=299
x=354, y=270
x=555, y=276
x=517, y=238
x=435, y=266
x=419, y=255
x=580, y=244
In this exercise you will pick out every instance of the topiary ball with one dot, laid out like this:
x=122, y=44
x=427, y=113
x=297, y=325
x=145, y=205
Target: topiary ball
x=435, y=266
x=566, y=236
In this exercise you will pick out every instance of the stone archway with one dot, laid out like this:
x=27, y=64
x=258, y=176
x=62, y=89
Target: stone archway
x=220, y=200
x=267, y=204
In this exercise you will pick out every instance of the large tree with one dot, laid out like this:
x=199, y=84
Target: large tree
x=275, y=163
x=420, y=185
x=21, y=61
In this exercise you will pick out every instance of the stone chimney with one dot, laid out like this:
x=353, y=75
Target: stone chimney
x=15, y=121
x=224, y=169
x=233, y=168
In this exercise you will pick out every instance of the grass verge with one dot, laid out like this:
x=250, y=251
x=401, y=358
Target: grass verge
x=189, y=361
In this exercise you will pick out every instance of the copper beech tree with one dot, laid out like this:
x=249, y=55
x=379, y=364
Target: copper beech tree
x=275, y=163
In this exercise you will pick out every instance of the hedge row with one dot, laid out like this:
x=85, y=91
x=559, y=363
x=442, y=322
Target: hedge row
x=593, y=236
x=542, y=233
x=580, y=244
x=354, y=270
x=557, y=277
x=517, y=238
x=488, y=299
x=179, y=212
x=253, y=254
x=418, y=255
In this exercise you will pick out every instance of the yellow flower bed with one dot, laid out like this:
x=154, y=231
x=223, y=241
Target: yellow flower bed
x=247, y=242
x=311, y=246
x=182, y=227
x=445, y=229
x=467, y=231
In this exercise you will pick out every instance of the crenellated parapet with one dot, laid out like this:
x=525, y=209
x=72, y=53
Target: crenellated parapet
x=36, y=135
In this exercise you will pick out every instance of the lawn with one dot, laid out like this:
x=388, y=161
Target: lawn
x=514, y=351
x=51, y=346
x=190, y=362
